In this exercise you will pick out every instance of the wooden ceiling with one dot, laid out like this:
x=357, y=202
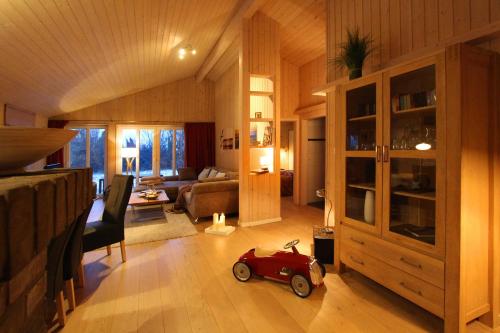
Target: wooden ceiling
x=303, y=28
x=63, y=55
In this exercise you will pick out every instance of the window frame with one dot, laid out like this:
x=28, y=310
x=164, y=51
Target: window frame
x=156, y=146
x=88, y=127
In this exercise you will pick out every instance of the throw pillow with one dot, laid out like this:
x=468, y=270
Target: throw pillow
x=204, y=174
x=220, y=175
x=212, y=173
x=186, y=173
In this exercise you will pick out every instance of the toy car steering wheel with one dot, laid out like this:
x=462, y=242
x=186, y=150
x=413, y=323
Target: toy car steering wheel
x=292, y=243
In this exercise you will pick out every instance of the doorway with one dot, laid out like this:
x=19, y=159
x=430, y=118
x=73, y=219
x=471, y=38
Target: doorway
x=288, y=160
x=313, y=161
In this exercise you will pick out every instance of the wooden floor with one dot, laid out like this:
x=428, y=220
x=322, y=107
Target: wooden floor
x=186, y=285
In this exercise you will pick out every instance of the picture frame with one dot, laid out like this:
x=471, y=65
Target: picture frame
x=258, y=115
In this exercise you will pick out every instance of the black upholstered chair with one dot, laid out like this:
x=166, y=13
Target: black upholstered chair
x=72, y=266
x=55, y=260
x=111, y=229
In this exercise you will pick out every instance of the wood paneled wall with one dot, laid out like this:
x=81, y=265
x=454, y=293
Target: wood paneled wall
x=260, y=55
x=402, y=27
x=227, y=114
x=289, y=90
x=177, y=102
x=312, y=75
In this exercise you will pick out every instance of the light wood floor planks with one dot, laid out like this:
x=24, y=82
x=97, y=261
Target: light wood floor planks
x=186, y=285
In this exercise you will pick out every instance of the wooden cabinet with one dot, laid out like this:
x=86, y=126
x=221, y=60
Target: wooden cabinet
x=415, y=185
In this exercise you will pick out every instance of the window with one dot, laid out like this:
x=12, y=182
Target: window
x=159, y=150
x=88, y=149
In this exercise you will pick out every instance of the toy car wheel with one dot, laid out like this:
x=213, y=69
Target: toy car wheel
x=242, y=272
x=300, y=285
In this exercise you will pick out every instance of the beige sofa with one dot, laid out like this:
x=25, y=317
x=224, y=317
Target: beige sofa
x=208, y=198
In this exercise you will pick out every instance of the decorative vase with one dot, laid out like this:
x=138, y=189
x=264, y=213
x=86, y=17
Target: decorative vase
x=354, y=73
x=370, y=207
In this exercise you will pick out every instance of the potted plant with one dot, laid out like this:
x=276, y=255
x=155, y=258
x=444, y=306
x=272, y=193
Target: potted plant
x=353, y=53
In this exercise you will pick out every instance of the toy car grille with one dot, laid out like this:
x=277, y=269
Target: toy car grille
x=315, y=271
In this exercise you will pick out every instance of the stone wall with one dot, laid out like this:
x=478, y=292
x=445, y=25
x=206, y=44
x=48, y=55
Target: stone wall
x=34, y=208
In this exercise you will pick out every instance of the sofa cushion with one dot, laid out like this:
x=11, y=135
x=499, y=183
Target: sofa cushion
x=187, y=174
x=204, y=173
x=212, y=173
x=220, y=175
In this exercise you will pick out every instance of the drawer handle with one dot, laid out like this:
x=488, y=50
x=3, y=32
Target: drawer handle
x=418, y=292
x=406, y=261
x=357, y=241
x=360, y=262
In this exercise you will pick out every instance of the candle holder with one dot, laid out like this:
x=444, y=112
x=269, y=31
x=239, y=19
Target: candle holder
x=219, y=226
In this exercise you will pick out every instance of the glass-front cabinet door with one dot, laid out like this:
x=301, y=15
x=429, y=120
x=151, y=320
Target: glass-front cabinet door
x=411, y=156
x=362, y=170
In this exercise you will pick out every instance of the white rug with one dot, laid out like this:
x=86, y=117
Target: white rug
x=168, y=227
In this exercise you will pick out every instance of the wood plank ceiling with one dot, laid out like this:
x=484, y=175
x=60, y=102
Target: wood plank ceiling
x=62, y=55
x=302, y=28
x=302, y=33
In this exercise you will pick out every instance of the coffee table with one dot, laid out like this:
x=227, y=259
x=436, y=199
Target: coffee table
x=137, y=201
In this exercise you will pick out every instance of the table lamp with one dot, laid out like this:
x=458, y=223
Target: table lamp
x=129, y=154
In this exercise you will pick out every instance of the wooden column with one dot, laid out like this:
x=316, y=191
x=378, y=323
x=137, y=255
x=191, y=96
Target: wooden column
x=259, y=57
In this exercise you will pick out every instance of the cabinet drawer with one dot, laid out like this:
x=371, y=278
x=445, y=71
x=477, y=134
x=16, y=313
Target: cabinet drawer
x=424, y=267
x=418, y=291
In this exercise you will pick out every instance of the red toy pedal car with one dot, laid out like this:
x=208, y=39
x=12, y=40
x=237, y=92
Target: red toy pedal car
x=301, y=271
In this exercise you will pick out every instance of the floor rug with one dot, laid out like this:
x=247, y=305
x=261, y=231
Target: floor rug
x=149, y=224
x=140, y=230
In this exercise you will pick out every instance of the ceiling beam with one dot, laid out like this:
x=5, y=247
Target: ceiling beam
x=246, y=9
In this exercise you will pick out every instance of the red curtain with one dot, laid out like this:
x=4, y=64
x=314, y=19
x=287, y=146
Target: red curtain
x=200, y=145
x=58, y=156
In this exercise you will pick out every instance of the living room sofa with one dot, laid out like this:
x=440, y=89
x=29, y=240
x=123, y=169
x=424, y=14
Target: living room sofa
x=207, y=196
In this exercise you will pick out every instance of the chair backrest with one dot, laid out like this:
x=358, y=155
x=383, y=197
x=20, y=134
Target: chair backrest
x=117, y=201
x=73, y=252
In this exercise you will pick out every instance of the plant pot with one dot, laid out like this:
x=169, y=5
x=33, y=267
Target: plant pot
x=354, y=73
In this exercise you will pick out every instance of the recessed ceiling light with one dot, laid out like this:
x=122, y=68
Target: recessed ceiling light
x=183, y=51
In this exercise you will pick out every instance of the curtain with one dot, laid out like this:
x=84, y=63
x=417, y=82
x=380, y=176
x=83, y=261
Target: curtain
x=58, y=156
x=200, y=145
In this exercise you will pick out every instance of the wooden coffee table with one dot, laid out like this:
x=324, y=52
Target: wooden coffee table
x=137, y=201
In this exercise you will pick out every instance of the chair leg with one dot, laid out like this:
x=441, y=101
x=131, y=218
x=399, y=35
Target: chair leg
x=70, y=292
x=108, y=248
x=122, y=248
x=61, y=314
x=81, y=276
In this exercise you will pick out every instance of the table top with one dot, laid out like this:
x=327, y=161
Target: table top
x=136, y=200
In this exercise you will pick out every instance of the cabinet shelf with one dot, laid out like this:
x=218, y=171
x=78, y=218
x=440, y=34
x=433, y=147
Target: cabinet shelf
x=261, y=120
x=417, y=195
x=261, y=93
x=363, y=186
x=422, y=109
x=363, y=118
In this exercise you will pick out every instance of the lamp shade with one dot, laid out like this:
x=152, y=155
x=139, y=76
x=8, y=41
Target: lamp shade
x=129, y=152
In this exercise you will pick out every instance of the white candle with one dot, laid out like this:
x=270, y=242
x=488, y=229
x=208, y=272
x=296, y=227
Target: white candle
x=215, y=220
x=222, y=220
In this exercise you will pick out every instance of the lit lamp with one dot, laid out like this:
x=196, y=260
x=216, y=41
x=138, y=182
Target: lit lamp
x=129, y=154
x=264, y=162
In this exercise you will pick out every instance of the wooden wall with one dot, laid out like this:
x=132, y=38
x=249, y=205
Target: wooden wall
x=312, y=75
x=289, y=90
x=177, y=102
x=402, y=27
x=2, y=114
x=260, y=55
x=227, y=114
